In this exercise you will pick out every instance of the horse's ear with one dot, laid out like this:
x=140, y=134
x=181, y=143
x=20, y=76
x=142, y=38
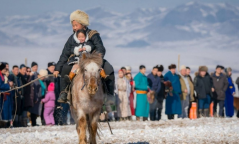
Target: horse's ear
x=83, y=56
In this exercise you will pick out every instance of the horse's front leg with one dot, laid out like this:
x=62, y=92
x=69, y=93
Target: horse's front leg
x=81, y=129
x=94, y=126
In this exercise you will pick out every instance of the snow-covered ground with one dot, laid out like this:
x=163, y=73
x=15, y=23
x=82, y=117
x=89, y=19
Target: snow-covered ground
x=204, y=130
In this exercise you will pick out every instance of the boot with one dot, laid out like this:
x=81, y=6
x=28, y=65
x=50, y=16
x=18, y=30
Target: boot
x=69, y=78
x=200, y=113
x=206, y=112
x=62, y=97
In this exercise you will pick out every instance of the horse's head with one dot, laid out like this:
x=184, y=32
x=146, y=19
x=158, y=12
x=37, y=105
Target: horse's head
x=90, y=67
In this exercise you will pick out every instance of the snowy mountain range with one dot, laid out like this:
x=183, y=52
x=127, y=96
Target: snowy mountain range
x=141, y=28
x=203, y=34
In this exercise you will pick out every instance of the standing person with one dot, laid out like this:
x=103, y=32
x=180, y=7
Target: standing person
x=173, y=103
x=5, y=99
x=124, y=70
x=187, y=91
x=50, y=69
x=39, y=92
x=155, y=85
x=49, y=104
x=141, y=87
x=80, y=21
x=28, y=95
x=23, y=80
x=188, y=72
x=16, y=95
x=122, y=90
x=220, y=84
x=230, y=92
x=131, y=96
x=161, y=95
x=203, y=86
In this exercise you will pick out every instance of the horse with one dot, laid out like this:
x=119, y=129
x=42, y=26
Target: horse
x=87, y=96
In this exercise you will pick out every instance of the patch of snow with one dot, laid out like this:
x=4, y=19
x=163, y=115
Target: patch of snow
x=203, y=130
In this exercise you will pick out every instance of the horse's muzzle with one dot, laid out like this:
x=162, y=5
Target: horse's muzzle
x=92, y=87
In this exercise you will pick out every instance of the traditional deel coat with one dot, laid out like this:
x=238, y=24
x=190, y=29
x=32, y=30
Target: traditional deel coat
x=122, y=89
x=142, y=104
x=5, y=100
x=173, y=103
x=229, y=98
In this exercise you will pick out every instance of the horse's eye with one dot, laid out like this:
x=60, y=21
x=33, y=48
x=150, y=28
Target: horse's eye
x=99, y=70
x=85, y=70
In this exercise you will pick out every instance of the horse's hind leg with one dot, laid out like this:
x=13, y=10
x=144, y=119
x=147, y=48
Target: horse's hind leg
x=81, y=130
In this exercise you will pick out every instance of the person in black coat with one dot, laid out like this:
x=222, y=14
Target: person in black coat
x=80, y=20
x=161, y=94
x=203, y=87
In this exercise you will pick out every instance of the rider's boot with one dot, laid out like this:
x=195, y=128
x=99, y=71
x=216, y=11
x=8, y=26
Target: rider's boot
x=65, y=83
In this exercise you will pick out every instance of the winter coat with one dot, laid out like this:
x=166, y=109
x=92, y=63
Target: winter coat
x=71, y=44
x=229, y=100
x=37, y=107
x=183, y=87
x=154, y=83
x=122, y=90
x=173, y=103
x=49, y=100
x=18, y=101
x=161, y=94
x=5, y=101
x=220, y=85
x=142, y=104
x=203, y=86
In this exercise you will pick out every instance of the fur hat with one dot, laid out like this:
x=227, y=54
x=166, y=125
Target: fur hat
x=81, y=17
x=182, y=67
x=51, y=86
x=160, y=68
x=2, y=66
x=33, y=64
x=229, y=69
x=43, y=72
x=172, y=66
x=203, y=68
x=128, y=68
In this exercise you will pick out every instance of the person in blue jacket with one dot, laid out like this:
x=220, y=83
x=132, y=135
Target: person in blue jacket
x=230, y=92
x=5, y=98
x=155, y=85
x=141, y=87
x=173, y=102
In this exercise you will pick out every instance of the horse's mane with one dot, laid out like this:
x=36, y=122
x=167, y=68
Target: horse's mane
x=86, y=58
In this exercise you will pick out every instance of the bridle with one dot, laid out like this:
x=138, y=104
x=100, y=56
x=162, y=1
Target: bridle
x=85, y=81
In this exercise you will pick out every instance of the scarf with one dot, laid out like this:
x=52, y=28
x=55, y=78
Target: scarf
x=43, y=88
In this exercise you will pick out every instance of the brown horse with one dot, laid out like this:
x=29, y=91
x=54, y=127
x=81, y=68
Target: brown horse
x=87, y=97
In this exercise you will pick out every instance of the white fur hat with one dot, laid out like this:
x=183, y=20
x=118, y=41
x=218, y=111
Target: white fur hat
x=182, y=67
x=43, y=72
x=128, y=68
x=81, y=17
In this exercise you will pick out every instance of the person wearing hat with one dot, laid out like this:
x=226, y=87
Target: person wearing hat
x=80, y=21
x=230, y=93
x=155, y=85
x=187, y=91
x=161, y=94
x=203, y=87
x=173, y=103
x=50, y=70
x=5, y=107
x=39, y=88
x=220, y=84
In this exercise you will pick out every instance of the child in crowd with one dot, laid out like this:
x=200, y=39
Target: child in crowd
x=49, y=106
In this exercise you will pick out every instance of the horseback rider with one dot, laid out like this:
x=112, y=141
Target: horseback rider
x=80, y=21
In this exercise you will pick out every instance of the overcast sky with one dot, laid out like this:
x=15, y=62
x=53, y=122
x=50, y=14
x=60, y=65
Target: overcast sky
x=35, y=7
